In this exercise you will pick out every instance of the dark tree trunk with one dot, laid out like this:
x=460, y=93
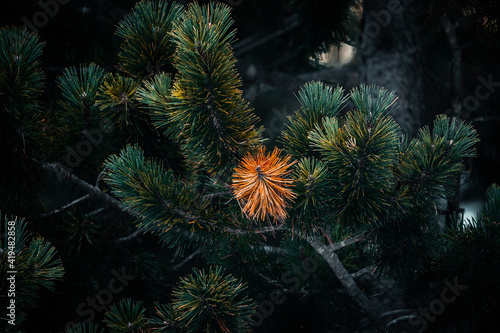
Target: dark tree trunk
x=390, y=55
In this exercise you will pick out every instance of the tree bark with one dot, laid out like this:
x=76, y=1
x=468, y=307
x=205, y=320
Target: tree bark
x=346, y=279
x=390, y=55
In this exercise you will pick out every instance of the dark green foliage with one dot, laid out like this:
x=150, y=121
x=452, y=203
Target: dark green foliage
x=313, y=189
x=117, y=100
x=472, y=256
x=126, y=316
x=317, y=101
x=206, y=111
x=80, y=232
x=322, y=24
x=156, y=92
x=360, y=155
x=143, y=264
x=408, y=245
x=167, y=319
x=34, y=260
x=79, y=115
x=154, y=193
x=147, y=48
x=212, y=302
x=21, y=79
x=21, y=117
x=430, y=162
x=79, y=91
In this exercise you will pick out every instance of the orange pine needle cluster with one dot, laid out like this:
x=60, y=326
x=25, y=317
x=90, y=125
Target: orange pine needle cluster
x=260, y=186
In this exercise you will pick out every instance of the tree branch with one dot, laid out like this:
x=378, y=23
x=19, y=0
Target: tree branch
x=395, y=321
x=129, y=237
x=246, y=45
x=394, y=312
x=365, y=270
x=107, y=199
x=346, y=280
x=100, y=176
x=63, y=208
x=188, y=217
x=351, y=240
x=186, y=260
x=90, y=189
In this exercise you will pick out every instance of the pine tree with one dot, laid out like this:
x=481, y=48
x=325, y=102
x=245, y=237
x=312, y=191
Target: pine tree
x=177, y=159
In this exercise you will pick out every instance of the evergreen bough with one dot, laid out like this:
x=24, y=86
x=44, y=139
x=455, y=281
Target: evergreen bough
x=365, y=198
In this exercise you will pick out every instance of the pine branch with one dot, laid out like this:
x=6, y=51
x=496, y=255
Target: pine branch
x=243, y=46
x=63, y=208
x=128, y=238
x=160, y=200
x=185, y=261
x=95, y=212
x=398, y=319
x=351, y=240
x=100, y=176
x=62, y=173
x=206, y=111
x=346, y=280
x=107, y=199
x=147, y=48
x=394, y=312
x=191, y=218
x=369, y=269
x=21, y=79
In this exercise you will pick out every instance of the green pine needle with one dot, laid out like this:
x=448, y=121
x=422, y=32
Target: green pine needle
x=312, y=186
x=147, y=188
x=79, y=87
x=206, y=109
x=35, y=261
x=117, y=100
x=211, y=302
x=126, y=316
x=317, y=102
x=147, y=48
x=21, y=79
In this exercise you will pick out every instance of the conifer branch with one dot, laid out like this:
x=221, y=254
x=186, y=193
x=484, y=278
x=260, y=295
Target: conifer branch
x=243, y=47
x=90, y=189
x=129, y=237
x=64, y=208
x=351, y=240
x=188, y=217
x=186, y=260
x=369, y=269
x=394, y=312
x=100, y=176
x=191, y=218
x=346, y=280
x=397, y=320
x=96, y=211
